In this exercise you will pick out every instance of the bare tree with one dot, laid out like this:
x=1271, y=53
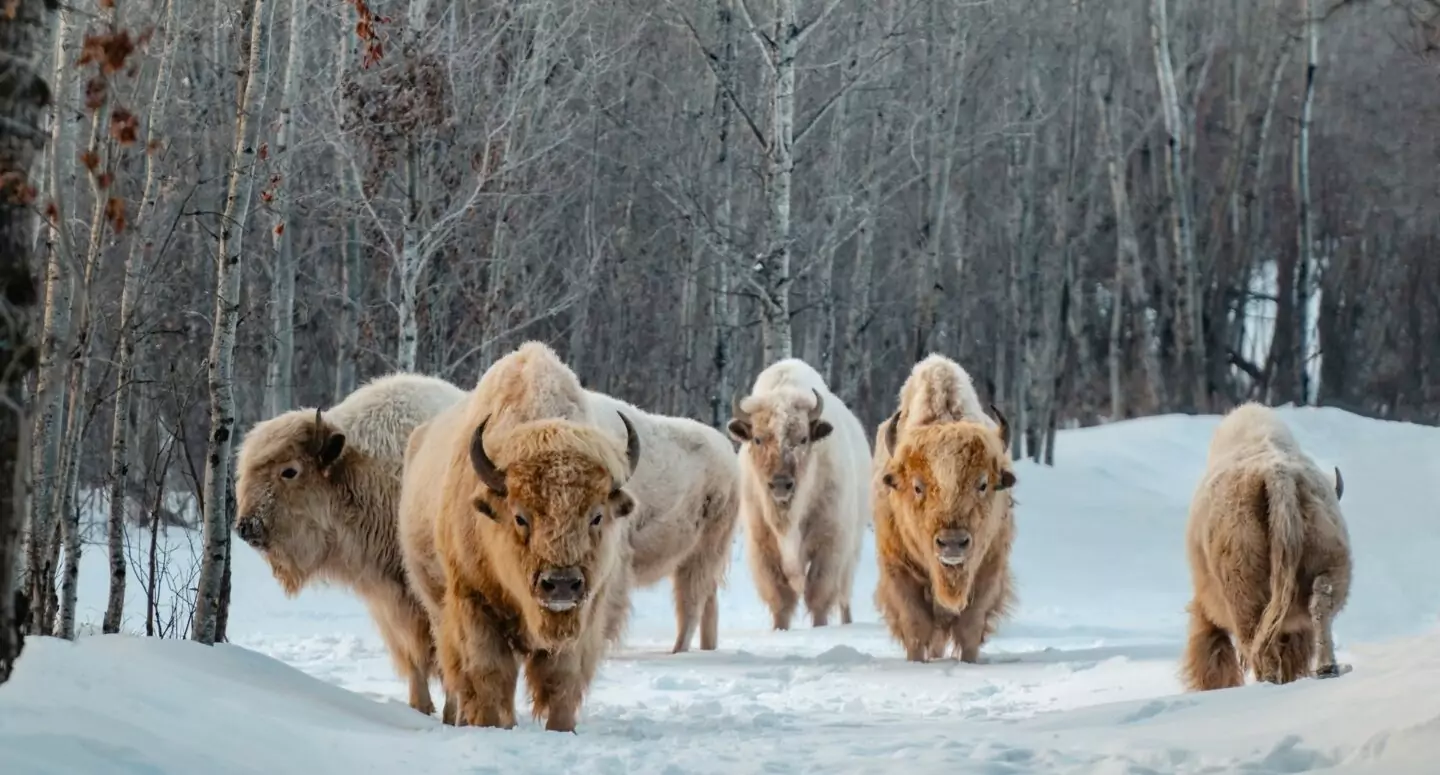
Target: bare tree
x=222, y=350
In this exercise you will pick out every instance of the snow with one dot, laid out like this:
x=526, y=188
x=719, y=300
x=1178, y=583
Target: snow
x=1082, y=680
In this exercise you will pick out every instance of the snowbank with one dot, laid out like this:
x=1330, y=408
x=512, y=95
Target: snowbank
x=1082, y=680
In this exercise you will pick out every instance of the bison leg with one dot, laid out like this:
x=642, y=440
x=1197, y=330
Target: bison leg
x=822, y=585
x=906, y=611
x=448, y=713
x=696, y=583
x=405, y=629
x=1323, y=607
x=971, y=627
x=845, y=613
x=1210, y=659
x=477, y=664
x=710, y=623
x=558, y=681
x=770, y=580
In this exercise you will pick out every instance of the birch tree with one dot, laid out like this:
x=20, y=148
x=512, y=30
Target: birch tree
x=220, y=379
x=125, y=345
x=22, y=106
x=281, y=196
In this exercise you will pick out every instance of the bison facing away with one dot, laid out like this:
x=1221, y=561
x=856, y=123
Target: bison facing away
x=520, y=557
x=803, y=456
x=318, y=497
x=1269, y=557
x=944, y=515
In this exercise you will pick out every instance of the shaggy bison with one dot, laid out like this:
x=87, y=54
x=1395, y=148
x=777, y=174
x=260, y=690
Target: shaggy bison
x=318, y=496
x=686, y=489
x=519, y=554
x=1269, y=557
x=944, y=515
x=803, y=457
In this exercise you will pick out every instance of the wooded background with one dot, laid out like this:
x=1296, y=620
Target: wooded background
x=1101, y=208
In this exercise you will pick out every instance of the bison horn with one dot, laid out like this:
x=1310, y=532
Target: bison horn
x=819, y=406
x=1339, y=484
x=485, y=468
x=1004, y=424
x=632, y=443
x=892, y=432
x=318, y=432
x=735, y=410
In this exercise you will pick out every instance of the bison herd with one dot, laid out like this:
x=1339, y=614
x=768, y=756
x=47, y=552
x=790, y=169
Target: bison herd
x=508, y=525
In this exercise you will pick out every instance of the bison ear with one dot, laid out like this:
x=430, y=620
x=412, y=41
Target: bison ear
x=483, y=506
x=1007, y=479
x=330, y=450
x=623, y=504
x=819, y=429
x=739, y=430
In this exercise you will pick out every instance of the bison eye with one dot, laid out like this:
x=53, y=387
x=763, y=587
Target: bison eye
x=919, y=488
x=289, y=473
x=597, y=519
x=983, y=484
x=521, y=521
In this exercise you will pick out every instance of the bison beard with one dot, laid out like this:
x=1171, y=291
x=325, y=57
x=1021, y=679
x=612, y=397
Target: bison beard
x=538, y=577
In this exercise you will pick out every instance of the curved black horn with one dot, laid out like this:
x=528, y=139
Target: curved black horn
x=1339, y=484
x=819, y=406
x=317, y=434
x=485, y=468
x=892, y=432
x=632, y=443
x=1004, y=424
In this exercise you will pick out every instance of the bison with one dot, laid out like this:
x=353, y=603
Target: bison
x=686, y=489
x=519, y=554
x=803, y=456
x=943, y=504
x=318, y=496
x=1269, y=558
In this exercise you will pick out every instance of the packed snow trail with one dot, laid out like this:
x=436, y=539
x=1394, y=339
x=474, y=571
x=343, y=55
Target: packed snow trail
x=1082, y=679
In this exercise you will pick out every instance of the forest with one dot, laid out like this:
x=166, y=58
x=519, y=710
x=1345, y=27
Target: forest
x=1104, y=209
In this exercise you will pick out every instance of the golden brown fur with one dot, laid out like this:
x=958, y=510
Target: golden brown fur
x=318, y=497
x=943, y=446
x=686, y=486
x=805, y=540
x=1269, y=558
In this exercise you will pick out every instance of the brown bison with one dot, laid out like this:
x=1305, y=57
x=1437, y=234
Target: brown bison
x=944, y=516
x=803, y=457
x=318, y=497
x=686, y=489
x=1269, y=558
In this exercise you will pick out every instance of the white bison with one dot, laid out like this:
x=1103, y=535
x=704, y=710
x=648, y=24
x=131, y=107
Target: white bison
x=803, y=491
x=1269, y=557
x=319, y=495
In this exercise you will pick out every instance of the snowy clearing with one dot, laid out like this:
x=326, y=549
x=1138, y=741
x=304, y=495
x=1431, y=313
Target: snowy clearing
x=1082, y=680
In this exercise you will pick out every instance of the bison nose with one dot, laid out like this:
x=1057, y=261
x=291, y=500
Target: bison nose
x=251, y=530
x=782, y=486
x=561, y=589
x=951, y=545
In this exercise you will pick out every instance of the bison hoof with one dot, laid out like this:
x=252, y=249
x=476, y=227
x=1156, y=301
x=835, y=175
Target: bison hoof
x=1332, y=671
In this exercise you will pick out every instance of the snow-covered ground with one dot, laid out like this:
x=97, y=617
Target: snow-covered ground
x=1082, y=680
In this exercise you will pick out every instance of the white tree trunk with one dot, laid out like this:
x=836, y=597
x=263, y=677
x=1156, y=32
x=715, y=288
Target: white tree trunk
x=773, y=268
x=280, y=381
x=1307, y=287
x=125, y=345
x=229, y=265
x=1178, y=183
x=49, y=392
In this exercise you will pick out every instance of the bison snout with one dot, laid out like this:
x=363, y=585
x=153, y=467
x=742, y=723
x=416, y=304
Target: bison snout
x=951, y=546
x=252, y=531
x=782, y=487
x=560, y=589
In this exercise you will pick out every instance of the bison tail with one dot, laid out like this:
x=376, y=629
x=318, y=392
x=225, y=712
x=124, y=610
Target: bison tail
x=1287, y=534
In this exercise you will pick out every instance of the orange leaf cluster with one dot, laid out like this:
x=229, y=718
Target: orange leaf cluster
x=115, y=213
x=109, y=50
x=124, y=127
